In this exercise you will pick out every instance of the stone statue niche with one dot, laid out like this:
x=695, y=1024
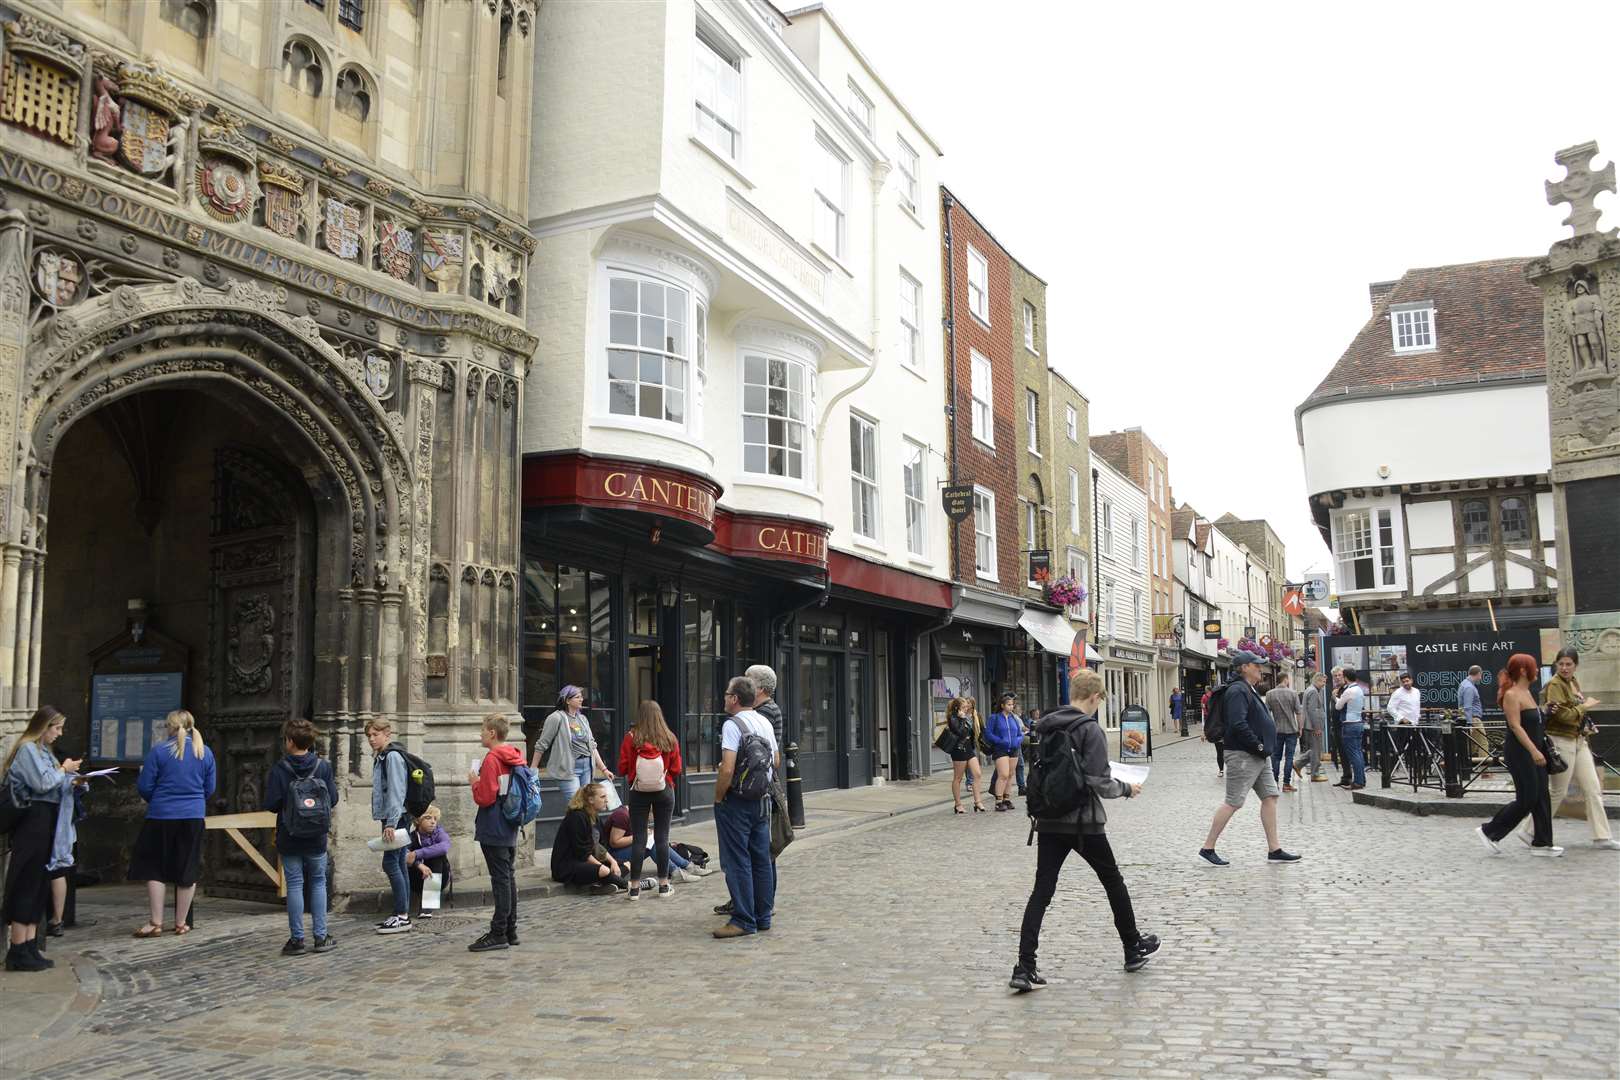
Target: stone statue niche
x=1588, y=334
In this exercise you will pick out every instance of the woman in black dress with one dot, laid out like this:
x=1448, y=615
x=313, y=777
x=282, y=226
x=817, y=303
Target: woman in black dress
x=1525, y=751
x=38, y=784
x=962, y=721
x=577, y=854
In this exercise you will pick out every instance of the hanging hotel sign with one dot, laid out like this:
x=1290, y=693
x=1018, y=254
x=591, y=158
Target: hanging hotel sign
x=1040, y=566
x=1212, y=629
x=1164, y=628
x=958, y=500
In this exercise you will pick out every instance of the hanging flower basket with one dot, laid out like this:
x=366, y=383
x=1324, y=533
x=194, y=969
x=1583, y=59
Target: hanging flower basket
x=1066, y=592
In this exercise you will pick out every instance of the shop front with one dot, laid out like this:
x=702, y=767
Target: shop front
x=638, y=586
x=1128, y=678
x=1197, y=675
x=1041, y=667
x=971, y=657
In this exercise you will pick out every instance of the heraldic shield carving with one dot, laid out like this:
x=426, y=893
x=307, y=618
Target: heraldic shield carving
x=396, y=248
x=342, y=232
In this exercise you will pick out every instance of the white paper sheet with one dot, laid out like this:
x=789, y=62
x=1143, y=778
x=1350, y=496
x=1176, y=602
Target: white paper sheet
x=1131, y=774
x=431, y=886
x=100, y=772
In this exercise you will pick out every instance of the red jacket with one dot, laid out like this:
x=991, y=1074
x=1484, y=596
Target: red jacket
x=499, y=760
x=629, y=751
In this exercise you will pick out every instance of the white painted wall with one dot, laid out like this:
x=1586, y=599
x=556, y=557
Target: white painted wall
x=1116, y=567
x=1452, y=435
x=1429, y=524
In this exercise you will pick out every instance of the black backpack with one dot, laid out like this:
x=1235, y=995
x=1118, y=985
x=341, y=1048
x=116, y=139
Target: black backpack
x=306, y=810
x=418, y=781
x=752, y=779
x=1057, y=777
x=1215, y=719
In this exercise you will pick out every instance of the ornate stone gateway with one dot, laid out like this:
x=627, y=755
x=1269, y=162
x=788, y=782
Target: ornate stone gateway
x=261, y=604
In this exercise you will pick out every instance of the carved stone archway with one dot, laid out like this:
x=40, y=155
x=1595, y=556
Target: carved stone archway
x=135, y=339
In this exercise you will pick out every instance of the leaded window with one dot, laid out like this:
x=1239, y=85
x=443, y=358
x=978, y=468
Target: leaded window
x=1476, y=522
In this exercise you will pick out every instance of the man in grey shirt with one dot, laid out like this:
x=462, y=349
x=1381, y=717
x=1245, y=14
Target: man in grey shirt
x=1283, y=704
x=1313, y=732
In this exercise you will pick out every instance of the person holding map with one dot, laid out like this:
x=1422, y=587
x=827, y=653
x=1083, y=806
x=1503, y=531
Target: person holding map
x=176, y=780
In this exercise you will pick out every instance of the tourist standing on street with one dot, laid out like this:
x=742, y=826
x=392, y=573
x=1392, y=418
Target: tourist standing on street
x=43, y=789
x=388, y=779
x=1570, y=730
x=496, y=836
x=1247, y=728
x=1313, y=733
x=1079, y=831
x=578, y=856
x=748, y=759
x=1336, y=742
x=176, y=781
x=1220, y=747
x=428, y=854
x=650, y=760
x=962, y=726
x=1473, y=712
x=302, y=792
x=1283, y=704
x=567, y=745
x=1526, y=761
x=764, y=680
x=1176, y=704
x=1005, y=734
x=1352, y=760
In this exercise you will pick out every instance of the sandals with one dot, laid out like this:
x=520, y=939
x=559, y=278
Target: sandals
x=181, y=931
x=959, y=809
x=149, y=931
x=977, y=809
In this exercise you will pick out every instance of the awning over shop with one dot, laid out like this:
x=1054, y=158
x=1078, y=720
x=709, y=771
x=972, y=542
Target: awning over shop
x=990, y=609
x=1052, y=630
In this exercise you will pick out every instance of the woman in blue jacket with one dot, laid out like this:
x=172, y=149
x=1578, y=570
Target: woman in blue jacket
x=176, y=780
x=1005, y=734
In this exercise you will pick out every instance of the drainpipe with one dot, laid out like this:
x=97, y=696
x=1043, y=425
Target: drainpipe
x=946, y=202
x=1096, y=560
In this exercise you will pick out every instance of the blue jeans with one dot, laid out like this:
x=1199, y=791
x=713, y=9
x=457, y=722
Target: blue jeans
x=1355, y=762
x=295, y=867
x=1282, y=755
x=1019, y=776
x=582, y=776
x=745, y=855
x=622, y=854
x=394, y=867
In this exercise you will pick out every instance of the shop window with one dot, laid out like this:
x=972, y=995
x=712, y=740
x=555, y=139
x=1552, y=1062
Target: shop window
x=1476, y=522
x=647, y=349
x=706, y=675
x=775, y=416
x=1515, y=521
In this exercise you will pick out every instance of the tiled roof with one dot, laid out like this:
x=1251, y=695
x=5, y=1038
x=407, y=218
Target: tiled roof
x=1487, y=322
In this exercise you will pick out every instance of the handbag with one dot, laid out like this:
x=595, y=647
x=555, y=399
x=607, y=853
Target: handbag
x=11, y=810
x=1555, y=761
x=946, y=740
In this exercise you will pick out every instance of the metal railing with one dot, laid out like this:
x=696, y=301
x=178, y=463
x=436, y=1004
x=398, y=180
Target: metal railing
x=1443, y=752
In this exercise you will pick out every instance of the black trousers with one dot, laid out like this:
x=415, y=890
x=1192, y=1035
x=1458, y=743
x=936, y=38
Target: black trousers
x=1052, y=850
x=1530, y=797
x=504, y=886
x=1220, y=755
x=662, y=805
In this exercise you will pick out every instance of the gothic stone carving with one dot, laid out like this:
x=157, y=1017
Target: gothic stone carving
x=251, y=646
x=1580, y=187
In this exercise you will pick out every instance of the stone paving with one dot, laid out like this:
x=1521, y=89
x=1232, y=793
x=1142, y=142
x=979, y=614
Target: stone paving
x=1397, y=948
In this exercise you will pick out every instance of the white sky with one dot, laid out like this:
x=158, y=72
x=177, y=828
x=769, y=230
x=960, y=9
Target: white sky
x=1208, y=188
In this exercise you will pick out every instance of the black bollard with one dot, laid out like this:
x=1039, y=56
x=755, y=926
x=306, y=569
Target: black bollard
x=795, y=787
x=1386, y=755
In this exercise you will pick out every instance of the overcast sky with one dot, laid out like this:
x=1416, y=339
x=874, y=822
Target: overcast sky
x=1208, y=188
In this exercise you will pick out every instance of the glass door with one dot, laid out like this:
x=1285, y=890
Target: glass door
x=821, y=716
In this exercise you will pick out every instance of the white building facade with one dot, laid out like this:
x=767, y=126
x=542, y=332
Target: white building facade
x=737, y=301
x=1123, y=614
x=1192, y=566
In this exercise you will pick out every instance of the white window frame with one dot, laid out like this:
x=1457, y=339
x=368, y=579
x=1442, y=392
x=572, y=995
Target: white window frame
x=910, y=163
x=805, y=421
x=1071, y=420
x=1079, y=569
x=983, y=415
x=978, y=285
x=984, y=514
x=860, y=108
x=708, y=120
x=910, y=321
x=1032, y=406
x=1136, y=542
x=830, y=207
x=914, y=483
x=1110, y=615
x=1359, y=535
x=1074, y=501
x=1029, y=328
x=672, y=353
x=865, y=500
x=1412, y=327
x=1107, y=527
x=1136, y=616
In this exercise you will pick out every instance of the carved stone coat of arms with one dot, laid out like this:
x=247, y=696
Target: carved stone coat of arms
x=342, y=231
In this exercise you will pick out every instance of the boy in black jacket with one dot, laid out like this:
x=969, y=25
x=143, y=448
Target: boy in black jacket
x=303, y=856
x=1080, y=831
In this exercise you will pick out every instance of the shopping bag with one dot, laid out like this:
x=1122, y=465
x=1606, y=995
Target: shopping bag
x=613, y=800
x=430, y=891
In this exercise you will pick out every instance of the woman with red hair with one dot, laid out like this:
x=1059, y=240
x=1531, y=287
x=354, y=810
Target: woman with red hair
x=1526, y=760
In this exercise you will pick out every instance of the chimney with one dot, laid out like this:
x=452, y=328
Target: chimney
x=1378, y=291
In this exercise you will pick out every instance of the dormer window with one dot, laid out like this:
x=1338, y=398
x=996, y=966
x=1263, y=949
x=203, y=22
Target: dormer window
x=1412, y=326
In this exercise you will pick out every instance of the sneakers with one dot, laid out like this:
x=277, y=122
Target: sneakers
x=665, y=891
x=1549, y=852
x=425, y=915
x=1138, y=955
x=1527, y=838
x=635, y=892
x=1607, y=844
x=1491, y=846
x=1280, y=856
x=731, y=930
x=325, y=944
x=488, y=943
x=723, y=909
x=683, y=875
x=700, y=871
x=1209, y=856
x=604, y=888
x=1319, y=779
x=54, y=929
x=394, y=924
x=512, y=938
x=294, y=947
x=1025, y=978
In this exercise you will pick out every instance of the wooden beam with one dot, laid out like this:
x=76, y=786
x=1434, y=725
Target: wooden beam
x=253, y=819
x=272, y=872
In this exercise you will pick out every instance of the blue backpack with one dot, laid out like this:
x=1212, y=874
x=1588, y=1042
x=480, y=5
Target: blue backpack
x=521, y=803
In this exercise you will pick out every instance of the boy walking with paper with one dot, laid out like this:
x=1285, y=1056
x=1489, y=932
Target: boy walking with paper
x=494, y=833
x=301, y=792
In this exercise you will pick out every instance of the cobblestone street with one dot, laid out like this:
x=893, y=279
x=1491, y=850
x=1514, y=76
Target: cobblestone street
x=1396, y=948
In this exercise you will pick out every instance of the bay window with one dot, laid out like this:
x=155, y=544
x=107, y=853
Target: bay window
x=647, y=348
x=1364, y=548
x=775, y=416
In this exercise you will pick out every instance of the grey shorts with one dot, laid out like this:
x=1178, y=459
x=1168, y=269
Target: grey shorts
x=1245, y=771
